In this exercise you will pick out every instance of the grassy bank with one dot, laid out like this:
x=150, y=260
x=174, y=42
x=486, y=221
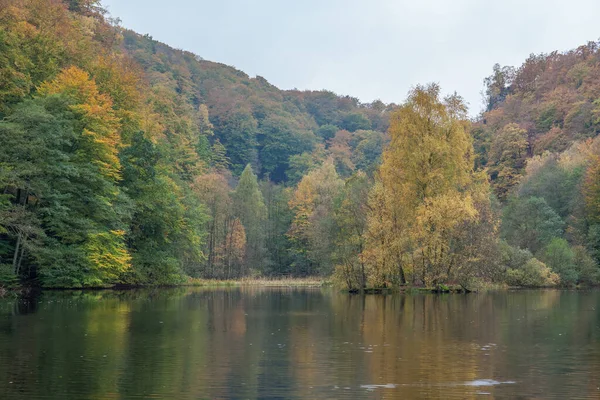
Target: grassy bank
x=273, y=282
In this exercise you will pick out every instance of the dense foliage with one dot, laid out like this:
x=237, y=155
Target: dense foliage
x=538, y=140
x=125, y=161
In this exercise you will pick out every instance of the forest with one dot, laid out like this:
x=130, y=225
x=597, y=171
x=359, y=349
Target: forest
x=124, y=161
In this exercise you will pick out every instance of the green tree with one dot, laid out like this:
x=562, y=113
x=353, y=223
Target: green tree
x=497, y=86
x=64, y=191
x=354, y=121
x=558, y=185
x=530, y=223
x=249, y=207
x=157, y=226
x=557, y=254
x=278, y=139
x=351, y=220
x=327, y=132
x=238, y=134
x=279, y=219
x=214, y=192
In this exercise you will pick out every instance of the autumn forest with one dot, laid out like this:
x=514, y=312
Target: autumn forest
x=124, y=161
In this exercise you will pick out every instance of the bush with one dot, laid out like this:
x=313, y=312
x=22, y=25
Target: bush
x=589, y=274
x=560, y=258
x=7, y=278
x=513, y=257
x=533, y=274
x=349, y=275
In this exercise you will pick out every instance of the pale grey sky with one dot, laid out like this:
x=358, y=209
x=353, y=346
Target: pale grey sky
x=370, y=49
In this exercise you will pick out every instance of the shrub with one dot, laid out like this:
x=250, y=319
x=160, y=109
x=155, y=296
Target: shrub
x=533, y=274
x=560, y=258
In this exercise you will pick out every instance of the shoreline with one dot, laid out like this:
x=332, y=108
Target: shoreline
x=308, y=282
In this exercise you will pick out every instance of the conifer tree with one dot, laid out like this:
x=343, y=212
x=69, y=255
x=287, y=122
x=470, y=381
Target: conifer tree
x=249, y=207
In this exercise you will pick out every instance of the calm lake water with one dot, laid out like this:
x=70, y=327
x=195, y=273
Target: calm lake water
x=299, y=343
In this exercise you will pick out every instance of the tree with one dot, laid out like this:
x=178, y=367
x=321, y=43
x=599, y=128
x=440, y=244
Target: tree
x=354, y=121
x=529, y=223
x=560, y=258
x=218, y=157
x=279, y=219
x=249, y=207
x=238, y=134
x=591, y=190
x=234, y=249
x=278, y=139
x=534, y=273
x=301, y=164
x=366, y=155
x=157, y=231
x=214, y=192
x=497, y=86
x=422, y=191
x=341, y=152
x=313, y=228
x=63, y=149
x=547, y=178
x=351, y=220
x=507, y=159
x=327, y=132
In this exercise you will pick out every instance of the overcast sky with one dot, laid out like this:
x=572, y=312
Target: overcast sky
x=370, y=49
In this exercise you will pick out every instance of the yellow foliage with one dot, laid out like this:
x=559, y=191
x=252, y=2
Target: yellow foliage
x=107, y=254
x=100, y=125
x=423, y=191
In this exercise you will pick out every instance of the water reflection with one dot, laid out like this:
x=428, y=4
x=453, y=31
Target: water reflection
x=299, y=343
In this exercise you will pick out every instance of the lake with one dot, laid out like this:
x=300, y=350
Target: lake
x=191, y=343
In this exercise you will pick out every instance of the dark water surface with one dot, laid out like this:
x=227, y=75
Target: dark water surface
x=299, y=343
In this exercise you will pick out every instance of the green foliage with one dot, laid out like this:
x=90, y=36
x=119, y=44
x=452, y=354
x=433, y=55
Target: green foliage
x=313, y=229
x=278, y=140
x=533, y=274
x=327, y=132
x=367, y=151
x=156, y=230
x=498, y=85
x=355, y=121
x=279, y=218
x=238, y=135
x=586, y=266
x=301, y=164
x=249, y=207
x=556, y=184
x=119, y=152
x=560, y=258
x=351, y=219
x=546, y=119
x=530, y=223
x=512, y=257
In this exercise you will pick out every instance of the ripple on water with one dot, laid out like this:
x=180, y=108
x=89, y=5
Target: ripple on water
x=385, y=386
x=487, y=382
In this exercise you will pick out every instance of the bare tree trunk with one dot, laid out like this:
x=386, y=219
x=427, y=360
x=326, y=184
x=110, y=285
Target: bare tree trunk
x=21, y=257
x=16, y=254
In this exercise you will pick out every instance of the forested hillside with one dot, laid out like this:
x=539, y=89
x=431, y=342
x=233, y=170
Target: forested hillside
x=125, y=161
x=257, y=123
x=121, y=156
x=538, y=140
